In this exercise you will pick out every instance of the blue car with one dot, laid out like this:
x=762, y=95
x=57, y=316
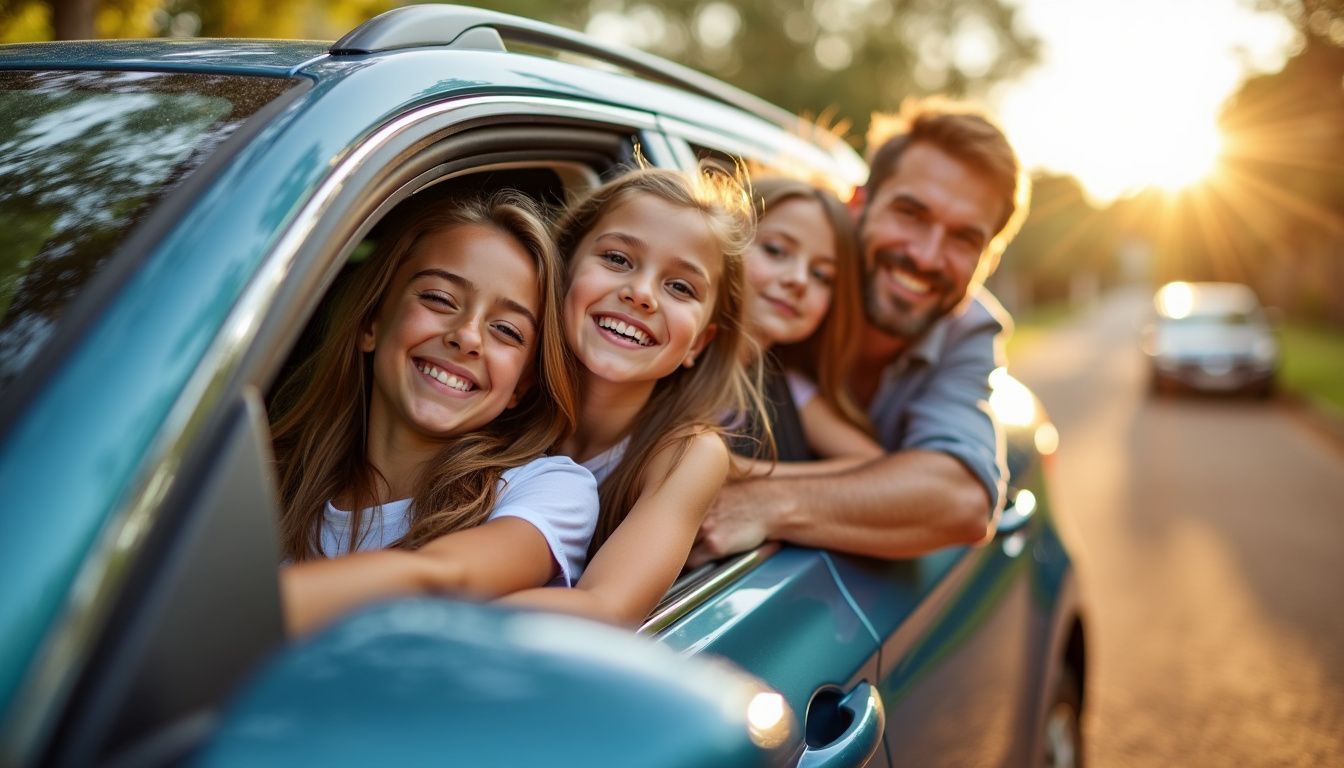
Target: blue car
x=172, y=213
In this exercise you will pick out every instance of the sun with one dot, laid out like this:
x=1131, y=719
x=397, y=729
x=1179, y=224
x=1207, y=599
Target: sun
x=1186, y=159
x=1134, y=152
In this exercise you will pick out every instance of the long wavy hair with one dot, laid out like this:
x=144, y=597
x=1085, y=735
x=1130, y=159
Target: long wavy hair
x=688, y=400
x=826, y=356
x=321, y=412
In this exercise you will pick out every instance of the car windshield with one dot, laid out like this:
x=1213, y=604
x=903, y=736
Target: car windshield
x=84, y=157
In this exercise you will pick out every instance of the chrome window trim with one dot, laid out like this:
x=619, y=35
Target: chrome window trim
x=684, y=598
x=67, y=648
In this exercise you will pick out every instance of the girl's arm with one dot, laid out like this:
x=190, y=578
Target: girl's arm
x=636, y=566
x=831, y=437
x=500, y=556
x=841, y=445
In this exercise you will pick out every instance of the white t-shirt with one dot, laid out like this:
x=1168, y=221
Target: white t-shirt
x=603, y=463
x=552, y=493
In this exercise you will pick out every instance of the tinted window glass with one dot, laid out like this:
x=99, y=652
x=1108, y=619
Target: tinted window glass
x=84, y=156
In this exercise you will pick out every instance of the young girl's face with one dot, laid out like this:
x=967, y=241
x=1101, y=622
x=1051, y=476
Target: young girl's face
x=642, y=290
x=790, y=271
x=454, y=335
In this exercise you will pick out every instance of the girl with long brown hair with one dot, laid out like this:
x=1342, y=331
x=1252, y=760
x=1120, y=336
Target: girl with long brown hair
x=804, y=309
x=653, y=314
x=411, y=445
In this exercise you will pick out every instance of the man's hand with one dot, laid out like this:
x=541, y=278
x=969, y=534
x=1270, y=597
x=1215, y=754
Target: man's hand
x=737, y=521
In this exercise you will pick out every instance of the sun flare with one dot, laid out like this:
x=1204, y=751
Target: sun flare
x=1122, y=118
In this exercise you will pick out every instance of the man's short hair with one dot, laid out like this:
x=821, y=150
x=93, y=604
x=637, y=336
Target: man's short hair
x=967, y=134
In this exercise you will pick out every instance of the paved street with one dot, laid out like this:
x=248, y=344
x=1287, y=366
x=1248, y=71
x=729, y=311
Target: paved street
x=1211, y=543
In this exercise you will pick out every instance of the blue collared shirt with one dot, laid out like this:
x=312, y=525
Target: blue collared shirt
x=935, y=395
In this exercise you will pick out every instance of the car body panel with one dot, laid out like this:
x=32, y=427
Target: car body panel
x=429, y=682
x=793, y=600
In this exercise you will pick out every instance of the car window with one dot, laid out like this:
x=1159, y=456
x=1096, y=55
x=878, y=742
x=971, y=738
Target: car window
x=84, y=156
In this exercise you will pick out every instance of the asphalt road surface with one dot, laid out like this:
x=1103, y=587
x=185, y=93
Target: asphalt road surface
x=1210, y=538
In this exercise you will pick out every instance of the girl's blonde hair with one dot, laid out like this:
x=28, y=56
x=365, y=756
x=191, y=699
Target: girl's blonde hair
x=689, y=400
x=828, y=354
x=322, y=410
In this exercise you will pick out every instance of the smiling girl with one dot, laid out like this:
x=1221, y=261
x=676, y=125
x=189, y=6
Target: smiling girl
x=411, y=445
x=804, y=309
x=653, y=313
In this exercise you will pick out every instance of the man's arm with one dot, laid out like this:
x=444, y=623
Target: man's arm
x=942, y=486
x=901, y=505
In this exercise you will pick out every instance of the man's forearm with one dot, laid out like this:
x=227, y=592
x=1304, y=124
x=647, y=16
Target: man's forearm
x=902, y=505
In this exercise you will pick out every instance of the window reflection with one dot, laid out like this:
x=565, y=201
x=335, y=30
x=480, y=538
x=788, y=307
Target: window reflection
x=84, y=156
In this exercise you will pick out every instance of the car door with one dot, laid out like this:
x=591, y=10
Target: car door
x=779, y=614
x=955, y=654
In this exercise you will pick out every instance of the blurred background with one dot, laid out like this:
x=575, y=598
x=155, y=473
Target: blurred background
x=1196, y=140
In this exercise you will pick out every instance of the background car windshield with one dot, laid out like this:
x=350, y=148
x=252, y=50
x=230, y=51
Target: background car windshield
x=84, y=156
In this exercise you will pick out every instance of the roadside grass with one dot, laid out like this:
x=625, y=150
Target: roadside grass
x=1030, y=326
x=1313, y=364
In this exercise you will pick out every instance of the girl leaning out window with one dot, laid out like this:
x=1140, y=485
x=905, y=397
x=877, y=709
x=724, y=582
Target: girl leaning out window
x=412, y=445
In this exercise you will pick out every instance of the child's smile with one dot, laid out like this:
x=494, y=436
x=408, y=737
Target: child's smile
x=454, y=336
x=642, y=290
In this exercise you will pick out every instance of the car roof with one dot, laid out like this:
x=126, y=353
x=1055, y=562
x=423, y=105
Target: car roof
x=273, y=58
x=1186, y=299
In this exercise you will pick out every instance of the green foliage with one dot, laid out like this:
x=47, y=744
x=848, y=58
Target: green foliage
x=1313, y=364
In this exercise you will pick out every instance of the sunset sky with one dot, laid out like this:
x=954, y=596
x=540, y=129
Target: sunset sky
x=1127, y=94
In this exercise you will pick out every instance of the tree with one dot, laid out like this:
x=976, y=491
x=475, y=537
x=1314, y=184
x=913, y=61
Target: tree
x=1282, y=181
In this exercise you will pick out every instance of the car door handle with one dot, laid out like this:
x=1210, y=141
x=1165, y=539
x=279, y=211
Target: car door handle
x=861, y=737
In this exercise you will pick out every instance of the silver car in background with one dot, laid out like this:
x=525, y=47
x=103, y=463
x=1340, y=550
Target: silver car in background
x=1210, y=337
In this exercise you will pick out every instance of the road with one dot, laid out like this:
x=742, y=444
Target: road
x=1210, y=534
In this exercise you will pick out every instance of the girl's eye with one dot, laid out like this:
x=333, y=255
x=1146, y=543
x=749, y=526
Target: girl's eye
x=682, y=288
x=774, y=250
x=511, y=333
x=439, y=299
x=615, y=258
x=823, y=277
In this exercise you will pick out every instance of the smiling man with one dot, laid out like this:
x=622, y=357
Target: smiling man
x=945, y=195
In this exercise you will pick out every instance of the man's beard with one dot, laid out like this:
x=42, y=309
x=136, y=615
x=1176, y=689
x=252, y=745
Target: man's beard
x=893, y=315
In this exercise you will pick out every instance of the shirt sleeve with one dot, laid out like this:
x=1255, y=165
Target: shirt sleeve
x=559, y=498
x=801, y=388
x=952, y=414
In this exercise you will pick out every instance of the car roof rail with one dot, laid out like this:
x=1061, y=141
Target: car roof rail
x=466, y=28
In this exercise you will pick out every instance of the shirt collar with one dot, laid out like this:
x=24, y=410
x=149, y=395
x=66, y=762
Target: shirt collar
x=929, y=348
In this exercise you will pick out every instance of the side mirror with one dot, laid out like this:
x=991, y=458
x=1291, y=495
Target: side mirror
x=414, y=682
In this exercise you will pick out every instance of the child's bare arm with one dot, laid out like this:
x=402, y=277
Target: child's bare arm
x=831, y=437
x=841, y=446
x=636, y=566
x=498, y=557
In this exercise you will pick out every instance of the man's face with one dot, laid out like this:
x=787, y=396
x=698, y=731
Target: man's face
x=924, y=231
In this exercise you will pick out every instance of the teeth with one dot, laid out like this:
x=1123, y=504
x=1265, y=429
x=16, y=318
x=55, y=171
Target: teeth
x=626, y=330
x=446, y=379
x=910, y=282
